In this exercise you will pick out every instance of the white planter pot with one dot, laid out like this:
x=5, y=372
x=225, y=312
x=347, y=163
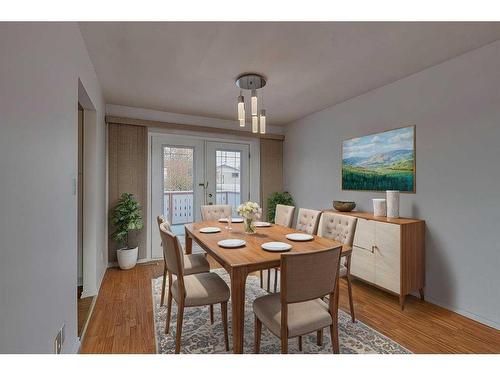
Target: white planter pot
x=127, y=258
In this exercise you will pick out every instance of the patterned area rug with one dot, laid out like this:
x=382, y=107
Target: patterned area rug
x=199, y=337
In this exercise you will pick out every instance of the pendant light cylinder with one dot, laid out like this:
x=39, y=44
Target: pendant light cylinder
x=263, y=121
x=242, y=122
x=255, y=124
x=241, y=108
x=254, y=103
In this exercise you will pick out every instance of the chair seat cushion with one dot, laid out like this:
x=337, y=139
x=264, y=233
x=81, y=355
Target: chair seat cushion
x=202, y=289
x=303, y=317
x=195, y=263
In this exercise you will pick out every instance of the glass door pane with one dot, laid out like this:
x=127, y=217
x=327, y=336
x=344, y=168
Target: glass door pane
x=227, y=173
x=178, y=204
x=228, y=178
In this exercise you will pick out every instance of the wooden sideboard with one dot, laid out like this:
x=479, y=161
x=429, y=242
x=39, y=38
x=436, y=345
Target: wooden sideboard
x=389, y=253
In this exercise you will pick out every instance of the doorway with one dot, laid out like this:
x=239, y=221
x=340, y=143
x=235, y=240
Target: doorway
x=84, y=304
x=188, y=172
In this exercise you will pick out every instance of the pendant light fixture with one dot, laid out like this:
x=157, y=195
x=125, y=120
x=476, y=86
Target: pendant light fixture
x=255, y=124
x=262, y=121
x=241, y=107
x=252, y=82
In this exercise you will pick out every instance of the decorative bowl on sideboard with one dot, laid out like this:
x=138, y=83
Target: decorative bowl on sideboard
x=344, y=206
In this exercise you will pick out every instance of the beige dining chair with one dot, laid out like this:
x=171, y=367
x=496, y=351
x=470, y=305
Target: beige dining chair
x=298, y=308
x=212, y=212
x=283, y=216
x=340, y=228
x=307, y=220
x=193, y=263
x=199, y=289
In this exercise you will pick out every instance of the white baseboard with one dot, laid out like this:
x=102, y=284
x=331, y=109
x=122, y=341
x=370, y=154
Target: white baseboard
x=467, y=314
x=145, y=260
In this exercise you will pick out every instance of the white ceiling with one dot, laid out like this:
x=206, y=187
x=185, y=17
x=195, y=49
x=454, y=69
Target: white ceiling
x=190, y=67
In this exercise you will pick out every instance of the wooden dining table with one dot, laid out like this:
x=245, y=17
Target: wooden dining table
x=240, y=262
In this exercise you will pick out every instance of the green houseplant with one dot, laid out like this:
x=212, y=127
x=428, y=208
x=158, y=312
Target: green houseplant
x=126, y=217
x=279, y=197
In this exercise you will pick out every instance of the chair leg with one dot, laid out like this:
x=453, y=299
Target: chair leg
x=349, y=288
x=334, y=335
x=169, y=310
x=300, y=343
x=211, y=314
x=284, y=344
x=261, y=279
x=180, y=317
x=268, y=280
x=351, y=304
x=275, y=280
x=319, y=337
x=257, y=334
x=223, y=308
x=164, y=282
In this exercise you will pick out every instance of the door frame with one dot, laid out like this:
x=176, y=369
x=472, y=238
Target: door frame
x=254, y=167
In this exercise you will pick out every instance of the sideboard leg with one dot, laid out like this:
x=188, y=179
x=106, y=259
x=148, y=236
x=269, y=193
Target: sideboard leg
x=421, y=291
x=402, y=302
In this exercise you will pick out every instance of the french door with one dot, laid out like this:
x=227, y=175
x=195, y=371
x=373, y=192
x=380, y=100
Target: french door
x=187, y=172
x=227, y=173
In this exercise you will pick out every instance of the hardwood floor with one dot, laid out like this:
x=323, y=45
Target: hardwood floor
x=122, y=321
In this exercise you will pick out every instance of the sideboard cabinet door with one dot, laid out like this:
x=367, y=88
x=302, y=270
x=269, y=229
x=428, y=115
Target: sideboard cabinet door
x=388, y=256
x=363, y=258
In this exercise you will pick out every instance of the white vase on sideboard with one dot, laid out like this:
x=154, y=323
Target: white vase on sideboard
x=392, y=197
x=379, y=207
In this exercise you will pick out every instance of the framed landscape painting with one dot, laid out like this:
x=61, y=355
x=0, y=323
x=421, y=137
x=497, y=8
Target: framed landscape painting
x=380, y=162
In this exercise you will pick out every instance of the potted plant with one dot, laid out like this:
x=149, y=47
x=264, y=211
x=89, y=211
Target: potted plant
x=279, y=197
x=126, y=218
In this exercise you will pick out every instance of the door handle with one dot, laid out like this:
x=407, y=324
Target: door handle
x=210, y=195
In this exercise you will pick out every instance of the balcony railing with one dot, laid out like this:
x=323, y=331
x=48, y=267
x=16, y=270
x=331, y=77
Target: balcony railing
x=178, y=205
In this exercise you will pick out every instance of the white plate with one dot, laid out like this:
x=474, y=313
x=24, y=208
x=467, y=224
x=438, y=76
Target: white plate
x=231, y=243
x=262, y=224
x=233, y=220
x=276, y=246
x=299, y=237
x=210, y=230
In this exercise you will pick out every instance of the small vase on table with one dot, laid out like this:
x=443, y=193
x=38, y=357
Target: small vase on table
x=250, y=211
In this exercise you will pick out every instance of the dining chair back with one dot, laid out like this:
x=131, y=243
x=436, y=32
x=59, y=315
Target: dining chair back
x=284, y=215
x=307, y=220
x=215, y=211
x=307, y=276
x=172, y=251
x=337, y=227
x=161, y=220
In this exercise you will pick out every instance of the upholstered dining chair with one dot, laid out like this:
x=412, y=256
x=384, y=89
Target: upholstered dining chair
x=298, y=308
x=283, y=216
x=215, y=211
x=199, y=289
x=193, y=263
x=340, y=228
x=307, y=220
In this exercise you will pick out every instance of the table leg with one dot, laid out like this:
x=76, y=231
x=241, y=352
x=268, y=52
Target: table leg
x=238, y=280
x=189, y=243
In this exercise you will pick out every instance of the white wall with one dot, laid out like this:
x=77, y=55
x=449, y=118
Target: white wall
x=40, y=66
x=456, y=109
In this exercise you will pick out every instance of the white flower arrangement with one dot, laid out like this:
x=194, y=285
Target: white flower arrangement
x=250, y=210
